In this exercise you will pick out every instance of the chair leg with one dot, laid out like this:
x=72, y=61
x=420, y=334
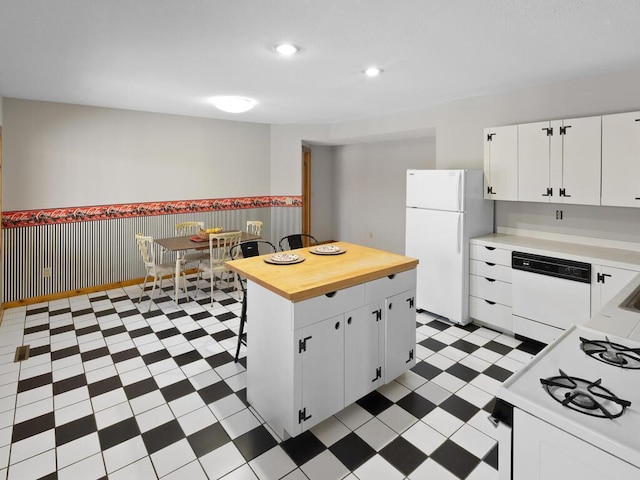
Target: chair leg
x=144, y=284
x=153, y=290
x=243, y=319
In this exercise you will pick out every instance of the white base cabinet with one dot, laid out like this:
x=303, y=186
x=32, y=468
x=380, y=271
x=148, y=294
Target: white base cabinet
x=308, y=360
x=490, y=286
x=606, y=282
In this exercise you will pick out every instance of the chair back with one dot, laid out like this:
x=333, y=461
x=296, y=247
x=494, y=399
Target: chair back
x=252, y=248
x=254, y=227
x=220, y=245
x=147, y=252
x=188, y=228
x=297, y=240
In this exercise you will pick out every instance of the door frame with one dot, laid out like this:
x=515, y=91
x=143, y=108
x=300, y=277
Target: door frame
x=306, y=190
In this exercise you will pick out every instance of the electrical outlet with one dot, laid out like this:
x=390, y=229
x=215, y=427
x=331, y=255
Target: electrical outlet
x=558, y=214
x=46, y=272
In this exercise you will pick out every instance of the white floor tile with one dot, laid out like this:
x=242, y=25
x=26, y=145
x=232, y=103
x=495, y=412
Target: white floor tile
x=274, y=463
x=35, y=467
x=325, y=467
x=442, y=421
x=397, y=418
x=430, y=470
x=222, y=460
x=449, y=382
x=242, y=473
x=330, y=431
x=91, y=467
x=433, y=392
x=108, y=399
x=147, y=402
x=154, y=417
x=483, y=472
x=474, y=395
x=191, y=471
x=77, y=450
x=196, y=420
x=239, y=423
x=113, y=415
x=440, y=361
x=124, y=453
x=411, y=380
x=353, y=416
x=376, y=433
x=142, y=469
x=424, y=437
x=473, y=440
x=173, y=457
x=377, y=468
x=71, y=397
x=32, y=446
x=394, y=391
x=33, y=410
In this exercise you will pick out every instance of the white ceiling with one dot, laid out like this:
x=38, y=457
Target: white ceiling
x=169, y=56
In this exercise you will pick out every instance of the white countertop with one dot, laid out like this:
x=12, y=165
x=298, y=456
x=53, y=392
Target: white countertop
x=617, y=320
x=614, y=257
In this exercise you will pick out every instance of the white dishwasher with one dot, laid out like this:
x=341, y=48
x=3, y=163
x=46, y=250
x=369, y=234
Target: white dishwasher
x=549, y=294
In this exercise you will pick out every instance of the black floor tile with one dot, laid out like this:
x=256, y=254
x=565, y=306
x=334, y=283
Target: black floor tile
x=222, y=335
x=462, y=372
x=215, y=392
x=186, y=358
x=118, y=433
x=470, y=327
x=69, y=384
x=193, y=334
x=219, y=359
x=84, y=311
x=455, y=459
x=33, y=426
x=375, y=403
x=491, y=458
x=227, y=301
x=499, y=373
x=114, y=331
x=104, y=386
x=36, y=329
x=489, y=406
x=178, y=314
x=169, y=332
x=255, y=442
x=60, y=311
x=416, y=405
x=36, y=311
x=226, y=316
x=465, y=346
x=403, y=455
x=152, y=313
x=35, y=382
x=176, y=390
x=352, y=451
x=208, y=439
x=242, y=395
x=125, y=355
x=433, y=344
x=531, y=346
x=304, y=447
x=200, y=315
x=438, y=325
x=129, y=313
x=426, y=370
x=99, y=298
x=140, y=388
x=93, y=354
x=62, y=329
x=104, y=313
x=75, y=429
x=162, y=436
x=64, y=353
x=42, y=349
x=140, y=332
x=497, y=347
x=87, y=330
x=459, y=407
x=157, y=356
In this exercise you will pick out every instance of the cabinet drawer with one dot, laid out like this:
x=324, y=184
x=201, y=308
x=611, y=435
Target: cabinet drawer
x=491, y=314
x=384, y=287
x=490, y=270
x=315, y=309
x=493, y=290
x=490, y=254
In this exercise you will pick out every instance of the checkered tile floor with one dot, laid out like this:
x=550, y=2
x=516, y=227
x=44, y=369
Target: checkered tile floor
x=111, y=391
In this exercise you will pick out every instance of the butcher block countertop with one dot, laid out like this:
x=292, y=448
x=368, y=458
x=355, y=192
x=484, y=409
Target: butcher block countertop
x=321, y=274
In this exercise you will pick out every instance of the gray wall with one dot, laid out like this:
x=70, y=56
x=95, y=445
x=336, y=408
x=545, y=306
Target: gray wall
x=58, y=155
x=324, y=208
x=370, y=189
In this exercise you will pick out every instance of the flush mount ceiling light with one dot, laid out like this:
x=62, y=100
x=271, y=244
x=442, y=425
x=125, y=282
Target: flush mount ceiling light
x=286, y=49
x=233, y=104
x=373, y=71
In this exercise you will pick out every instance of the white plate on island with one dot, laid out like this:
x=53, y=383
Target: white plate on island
x=327, y=250
x=284, y=259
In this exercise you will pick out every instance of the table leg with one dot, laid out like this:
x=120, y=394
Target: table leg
x=177, y=279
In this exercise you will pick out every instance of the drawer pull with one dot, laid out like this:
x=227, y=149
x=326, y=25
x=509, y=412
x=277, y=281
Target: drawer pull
x=337, y=325
x=490, y=279
x=330, y=294
x=392, y=276
x=349, y=321
x=490, y=302
x=490, y=264
x=490, y=248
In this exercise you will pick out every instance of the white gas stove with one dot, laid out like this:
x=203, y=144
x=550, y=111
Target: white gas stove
x=585, y=427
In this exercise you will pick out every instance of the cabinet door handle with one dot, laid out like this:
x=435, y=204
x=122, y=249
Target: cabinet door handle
x=349, y=321
x=490, y=279
x=330, y=294
x=490, y=248
x=337, y=325
x=490, y=302
x=637, y=198
x=392, y=276
x=490, y=264
x=390, y=305
x=549, y=193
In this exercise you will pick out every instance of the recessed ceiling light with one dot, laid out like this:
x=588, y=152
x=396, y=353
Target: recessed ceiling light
x=286, y=49
x=373, y=71
x=233, y=104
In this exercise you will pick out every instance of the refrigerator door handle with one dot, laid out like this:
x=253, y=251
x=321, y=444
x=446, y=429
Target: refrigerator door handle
x=459, y=191
x=459, y=243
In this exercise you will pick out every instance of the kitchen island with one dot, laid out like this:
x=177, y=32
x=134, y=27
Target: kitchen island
x=326, y=331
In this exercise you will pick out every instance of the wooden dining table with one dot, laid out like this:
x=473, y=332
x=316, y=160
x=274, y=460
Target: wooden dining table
x=182, y=244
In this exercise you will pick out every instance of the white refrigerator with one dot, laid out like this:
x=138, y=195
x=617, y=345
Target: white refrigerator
x=445, y=208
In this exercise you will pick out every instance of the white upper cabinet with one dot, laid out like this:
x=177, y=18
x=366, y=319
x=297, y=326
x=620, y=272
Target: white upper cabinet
x=621, y=159
x=501, y=163
x=559, y=161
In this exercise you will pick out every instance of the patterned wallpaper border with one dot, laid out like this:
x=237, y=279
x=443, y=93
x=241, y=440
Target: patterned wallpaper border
x=30, y=218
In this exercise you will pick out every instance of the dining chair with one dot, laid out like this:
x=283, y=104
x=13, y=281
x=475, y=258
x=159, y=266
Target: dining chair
x=191, y=229
x=252, y=248
x=254, y=227
x=152, y=269
x=219, y=246
x=297, y=240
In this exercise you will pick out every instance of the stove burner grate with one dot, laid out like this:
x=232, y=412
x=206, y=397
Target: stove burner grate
x=584, y=396
x=612, y=353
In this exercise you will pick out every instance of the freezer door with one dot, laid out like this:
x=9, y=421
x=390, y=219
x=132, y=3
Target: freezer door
x=436, y=189
x=436, y=238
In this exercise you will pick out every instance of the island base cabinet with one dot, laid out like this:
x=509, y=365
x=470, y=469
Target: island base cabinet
x=321, y=356
x=400, y=334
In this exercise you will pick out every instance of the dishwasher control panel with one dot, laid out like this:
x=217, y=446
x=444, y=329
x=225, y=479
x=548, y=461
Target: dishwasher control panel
x=553, y=267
